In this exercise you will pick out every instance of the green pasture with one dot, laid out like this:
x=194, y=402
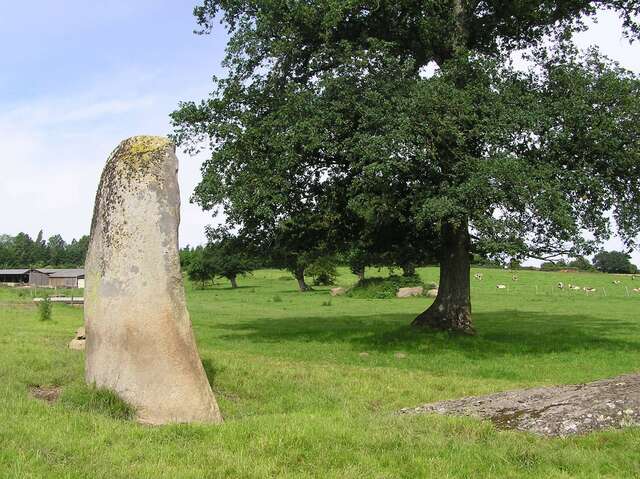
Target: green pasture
x=309, y=387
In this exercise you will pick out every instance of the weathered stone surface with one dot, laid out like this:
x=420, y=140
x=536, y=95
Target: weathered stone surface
x=140, y=343
x=338, y=291
x=432, y=293
x=553, y=411
x=409, y=292
x=78, y=342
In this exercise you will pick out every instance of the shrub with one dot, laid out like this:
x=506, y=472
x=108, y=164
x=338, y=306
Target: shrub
x=323, y=271
x=383, y=288
x=44, y=309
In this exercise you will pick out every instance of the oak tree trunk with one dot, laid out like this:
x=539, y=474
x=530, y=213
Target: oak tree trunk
x=234, y=283
x=360, y=275
x=451, y=311
x=299, y=274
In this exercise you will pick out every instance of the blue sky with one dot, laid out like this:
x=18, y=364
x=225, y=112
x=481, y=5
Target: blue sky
x=76, y=77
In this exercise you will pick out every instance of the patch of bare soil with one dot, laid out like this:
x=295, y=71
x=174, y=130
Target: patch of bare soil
x=49, y=394
x=552, y=411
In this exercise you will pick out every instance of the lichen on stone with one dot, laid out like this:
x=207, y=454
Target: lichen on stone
x=140, y=151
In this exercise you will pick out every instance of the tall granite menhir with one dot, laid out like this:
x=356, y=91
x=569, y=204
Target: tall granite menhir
x=139, y=338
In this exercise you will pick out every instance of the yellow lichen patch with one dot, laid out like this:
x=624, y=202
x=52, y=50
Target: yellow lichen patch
x=141, y=150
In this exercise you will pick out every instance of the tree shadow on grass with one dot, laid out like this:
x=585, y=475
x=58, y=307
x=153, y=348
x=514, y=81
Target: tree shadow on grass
x=500, y=333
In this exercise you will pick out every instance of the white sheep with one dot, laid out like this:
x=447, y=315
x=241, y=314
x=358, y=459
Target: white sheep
x=501, y=286
x=478, y=276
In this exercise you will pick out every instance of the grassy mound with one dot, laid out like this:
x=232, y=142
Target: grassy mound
x=384, y=288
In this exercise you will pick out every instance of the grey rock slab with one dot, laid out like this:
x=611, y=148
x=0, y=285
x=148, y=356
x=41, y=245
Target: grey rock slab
x=552, y=411
x=140, y=343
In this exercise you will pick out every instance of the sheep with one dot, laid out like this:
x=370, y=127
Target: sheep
x=616, y=282
x=478, y=276
x=561, y=285
x=589, y=290
x=636, y=290
x=501, y=286
x=514, y=277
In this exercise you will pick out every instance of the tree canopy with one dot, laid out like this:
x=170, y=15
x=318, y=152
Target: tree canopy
x=22, y=251
x=415, y=111
x=614, y=262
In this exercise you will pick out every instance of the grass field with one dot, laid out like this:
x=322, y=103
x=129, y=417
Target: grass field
x=301, y=400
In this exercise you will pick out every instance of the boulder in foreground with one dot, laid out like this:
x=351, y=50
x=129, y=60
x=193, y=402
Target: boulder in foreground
x=553, y=411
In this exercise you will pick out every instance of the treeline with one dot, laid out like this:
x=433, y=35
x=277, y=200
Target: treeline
x=21, y=251
x=604, y=261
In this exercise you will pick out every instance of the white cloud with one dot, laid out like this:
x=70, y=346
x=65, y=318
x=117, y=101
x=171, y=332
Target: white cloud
x=54, y=149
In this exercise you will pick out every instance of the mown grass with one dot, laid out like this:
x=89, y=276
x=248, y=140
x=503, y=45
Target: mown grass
x=300, y=398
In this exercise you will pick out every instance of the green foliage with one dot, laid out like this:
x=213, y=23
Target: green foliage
x=553, y=265
x=323, y=271
x=44, y=309
x=614, y=262
x=581, y=263
x=96, y=401
x=21, y=251
x=383, y=288
x=333, y=129
x=228, y=254
x=201, y=267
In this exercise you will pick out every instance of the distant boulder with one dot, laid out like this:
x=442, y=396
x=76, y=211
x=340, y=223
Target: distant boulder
x=410, y=292
x=432, y=293
x=78, y=342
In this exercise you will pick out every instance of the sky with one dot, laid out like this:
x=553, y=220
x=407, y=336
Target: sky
x=77, y=77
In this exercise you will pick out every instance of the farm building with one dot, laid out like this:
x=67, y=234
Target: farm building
x=44, y=277
x=38, y=277
x=14, y=276
x=67, y=278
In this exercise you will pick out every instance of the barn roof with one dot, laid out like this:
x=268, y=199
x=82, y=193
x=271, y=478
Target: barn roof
x=14, y=271
x=66, y=273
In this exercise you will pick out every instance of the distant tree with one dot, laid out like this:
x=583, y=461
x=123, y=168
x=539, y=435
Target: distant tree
x=22, y=250
x=56, y=247
x=323, y=271
x=76, y=251
x=40, y=254
x=230, y=255
x=581, y=263
x=614, y=262
x=553, y=265
x=186, y=254
x=202, y=267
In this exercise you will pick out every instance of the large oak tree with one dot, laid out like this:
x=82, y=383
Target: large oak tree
x=380, y=102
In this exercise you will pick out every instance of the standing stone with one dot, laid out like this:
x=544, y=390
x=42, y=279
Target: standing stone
x=140, y=343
